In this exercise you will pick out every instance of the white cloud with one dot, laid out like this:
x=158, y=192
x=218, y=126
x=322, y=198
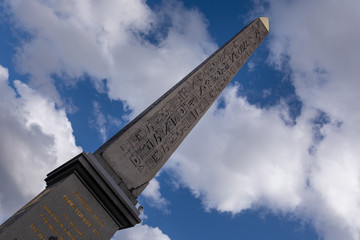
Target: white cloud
x=108, y=41
x=103, y=122
x=251, y=156
x=99, y=122
x=70, y=38
x=153, y=196
x=35, y=138
x=251, y=66
x=266, y=93
x=322, y=48
x=140, y=232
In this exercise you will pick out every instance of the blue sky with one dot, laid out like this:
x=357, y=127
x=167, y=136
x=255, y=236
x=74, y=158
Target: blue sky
x=276, y=157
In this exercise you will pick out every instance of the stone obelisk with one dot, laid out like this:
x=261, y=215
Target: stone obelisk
x=94, y=195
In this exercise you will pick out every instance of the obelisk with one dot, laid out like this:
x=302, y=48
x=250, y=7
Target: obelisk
x=138, y=151
x=93, y=195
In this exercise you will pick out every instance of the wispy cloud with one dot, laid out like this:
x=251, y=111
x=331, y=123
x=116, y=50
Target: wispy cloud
x=153, y=196
x=99, y=121
x=251, y=66
x=103, y=122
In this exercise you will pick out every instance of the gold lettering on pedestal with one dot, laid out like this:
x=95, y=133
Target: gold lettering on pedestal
x=59, y=222
x=36, y=231
x=81, y=215
x=88, y=208
x=72, y=224
x=83, y=218
x=68, y=200
x=86, y=221
x=46, y=221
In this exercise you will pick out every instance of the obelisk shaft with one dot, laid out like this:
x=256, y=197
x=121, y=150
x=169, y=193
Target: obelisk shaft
x=138, y=151
x=90, y=197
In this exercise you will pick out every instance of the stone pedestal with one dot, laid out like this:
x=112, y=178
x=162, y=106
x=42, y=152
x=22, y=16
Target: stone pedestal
x=80, y=202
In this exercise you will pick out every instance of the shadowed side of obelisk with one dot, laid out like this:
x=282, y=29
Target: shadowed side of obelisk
x=138, y=151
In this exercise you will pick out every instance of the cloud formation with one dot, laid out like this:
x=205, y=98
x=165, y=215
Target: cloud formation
x=103, y=122
x=112, y=41
x=323, y=53
x=311, y=169
x=252, y=157
x=154, y=197
x=36, y=137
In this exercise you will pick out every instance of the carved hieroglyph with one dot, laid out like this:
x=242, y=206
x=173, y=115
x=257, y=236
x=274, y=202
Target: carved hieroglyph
x=140, y=149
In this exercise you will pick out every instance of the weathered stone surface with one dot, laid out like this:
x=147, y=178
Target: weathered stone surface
x=139, y=150
x=67, y=210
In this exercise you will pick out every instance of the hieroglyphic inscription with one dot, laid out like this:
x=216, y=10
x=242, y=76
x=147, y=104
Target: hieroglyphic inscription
x=156, y=136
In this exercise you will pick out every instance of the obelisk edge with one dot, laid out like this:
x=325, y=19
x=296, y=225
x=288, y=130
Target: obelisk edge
x=137, y=154
x=265, y=21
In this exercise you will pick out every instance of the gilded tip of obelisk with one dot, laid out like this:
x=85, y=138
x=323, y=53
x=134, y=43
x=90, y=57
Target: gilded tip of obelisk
x=265, y=21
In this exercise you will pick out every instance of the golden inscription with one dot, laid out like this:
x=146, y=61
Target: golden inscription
x=50, y=226
x=36, y=231
x=86, y=221
x=59, y=222
x=72, y=224
x=83, y=218
x=88, y=208
x=96, y=232
x=68, y=200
